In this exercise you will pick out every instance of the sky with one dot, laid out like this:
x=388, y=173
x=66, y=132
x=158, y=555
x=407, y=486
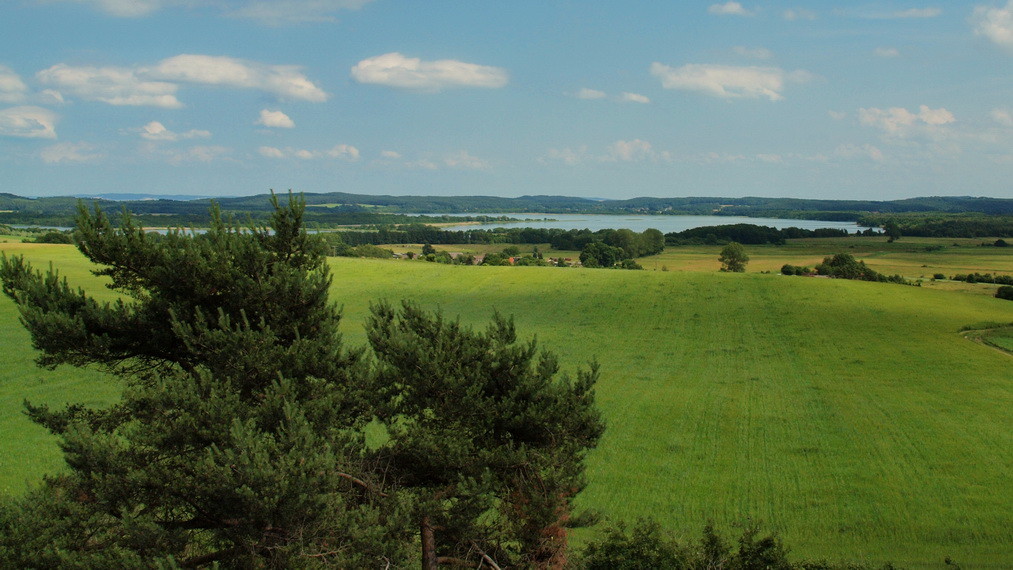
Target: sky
x=594, y=98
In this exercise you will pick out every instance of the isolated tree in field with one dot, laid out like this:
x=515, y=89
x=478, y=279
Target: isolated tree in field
x=892, y=231
x=733, y=258
x=488, y=444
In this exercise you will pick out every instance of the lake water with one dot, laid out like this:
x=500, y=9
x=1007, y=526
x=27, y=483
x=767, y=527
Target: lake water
x=665, y=224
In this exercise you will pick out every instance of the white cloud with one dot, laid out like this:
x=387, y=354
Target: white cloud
x=156, y=131
x=69, y=152
x=567, y=156
x=281, y=12
x=586, y=93
x=887, y=52
x=461, y=160
x=275, y=119
x=344, y=152
x=269, y=12
x=798, y=14
x=754, y=53
x=1003, y=117
x=630, y=151
x=121, y=8
x=341, y=151
x=873, y=14
x=837, y=115
x=729, y=9
x=917, y=13
x=633, y=98
x=286, y=81
x=422, y=163
x=51, y=97
x=859, y=151
x=112, y=85
x=897, y=121
x=390, y=154
x=28, y=122
x=396, y=70
x=12, y=88
x=996, y=24
x=271, y=152
x=728, y=81
x=203, y=154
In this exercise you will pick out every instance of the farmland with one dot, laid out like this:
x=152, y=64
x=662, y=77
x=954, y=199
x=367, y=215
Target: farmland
x=851, y=417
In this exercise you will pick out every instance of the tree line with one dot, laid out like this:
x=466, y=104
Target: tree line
x=633, y=244
x=749, y=234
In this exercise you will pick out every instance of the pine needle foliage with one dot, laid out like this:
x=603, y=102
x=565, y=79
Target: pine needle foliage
x=240, y=437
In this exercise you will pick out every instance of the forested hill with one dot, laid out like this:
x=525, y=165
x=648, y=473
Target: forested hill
x=344, y=208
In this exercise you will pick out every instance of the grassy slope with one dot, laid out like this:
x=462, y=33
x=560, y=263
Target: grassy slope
x=851, y=417
x=27, y=450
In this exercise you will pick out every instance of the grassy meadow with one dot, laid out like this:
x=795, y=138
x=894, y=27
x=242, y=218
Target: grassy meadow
x=853, y=418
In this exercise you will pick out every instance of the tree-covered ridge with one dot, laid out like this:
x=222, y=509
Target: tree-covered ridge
x=336, y=208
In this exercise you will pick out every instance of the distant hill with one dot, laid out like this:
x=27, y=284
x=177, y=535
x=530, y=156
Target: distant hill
x=344, y=208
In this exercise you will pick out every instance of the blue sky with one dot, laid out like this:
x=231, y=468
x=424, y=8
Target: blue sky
x=840, y=100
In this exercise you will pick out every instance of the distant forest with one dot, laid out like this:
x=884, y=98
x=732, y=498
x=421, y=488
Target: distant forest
x=949, y=216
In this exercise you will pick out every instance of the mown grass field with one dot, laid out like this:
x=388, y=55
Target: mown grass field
x=851, y=417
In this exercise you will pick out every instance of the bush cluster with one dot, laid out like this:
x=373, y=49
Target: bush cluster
x=984, y=278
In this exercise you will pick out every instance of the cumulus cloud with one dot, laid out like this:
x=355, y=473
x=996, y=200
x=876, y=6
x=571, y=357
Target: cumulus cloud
x=269, y=12
x=567, y=156
x=1003, y=117
x=341, y=151
x=909, y=14
x=629, y=151
x=112, y=85
x=271, y=152
x=282, y=12
x=793, y=15
x=156, y=131
x=754, y=53
x=69, y=152
x=12, y=88
x=729, y=9
x=390, y=154
x=204, y=154
x=887, y=52
x=586, y=93
x=898, y=121
x=396, y=70
x=121, y=8
x=275, y=119
x=286, y=81
x=28, y=122
x=633, y=98
x=635, y=150
x=462, y=160
x=917, y=13
x=996, y=24
x=852, y=151
x=728, y=81
x=344, y=152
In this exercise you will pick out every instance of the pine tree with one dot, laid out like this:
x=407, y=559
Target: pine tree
x=238, y=437
x=483, y=437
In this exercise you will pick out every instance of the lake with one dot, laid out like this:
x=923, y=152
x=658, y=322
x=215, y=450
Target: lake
x=666, y=224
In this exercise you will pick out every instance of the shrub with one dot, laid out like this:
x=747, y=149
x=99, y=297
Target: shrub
x=1005, y=292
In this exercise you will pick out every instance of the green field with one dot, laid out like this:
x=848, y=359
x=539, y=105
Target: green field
x=851, y=417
